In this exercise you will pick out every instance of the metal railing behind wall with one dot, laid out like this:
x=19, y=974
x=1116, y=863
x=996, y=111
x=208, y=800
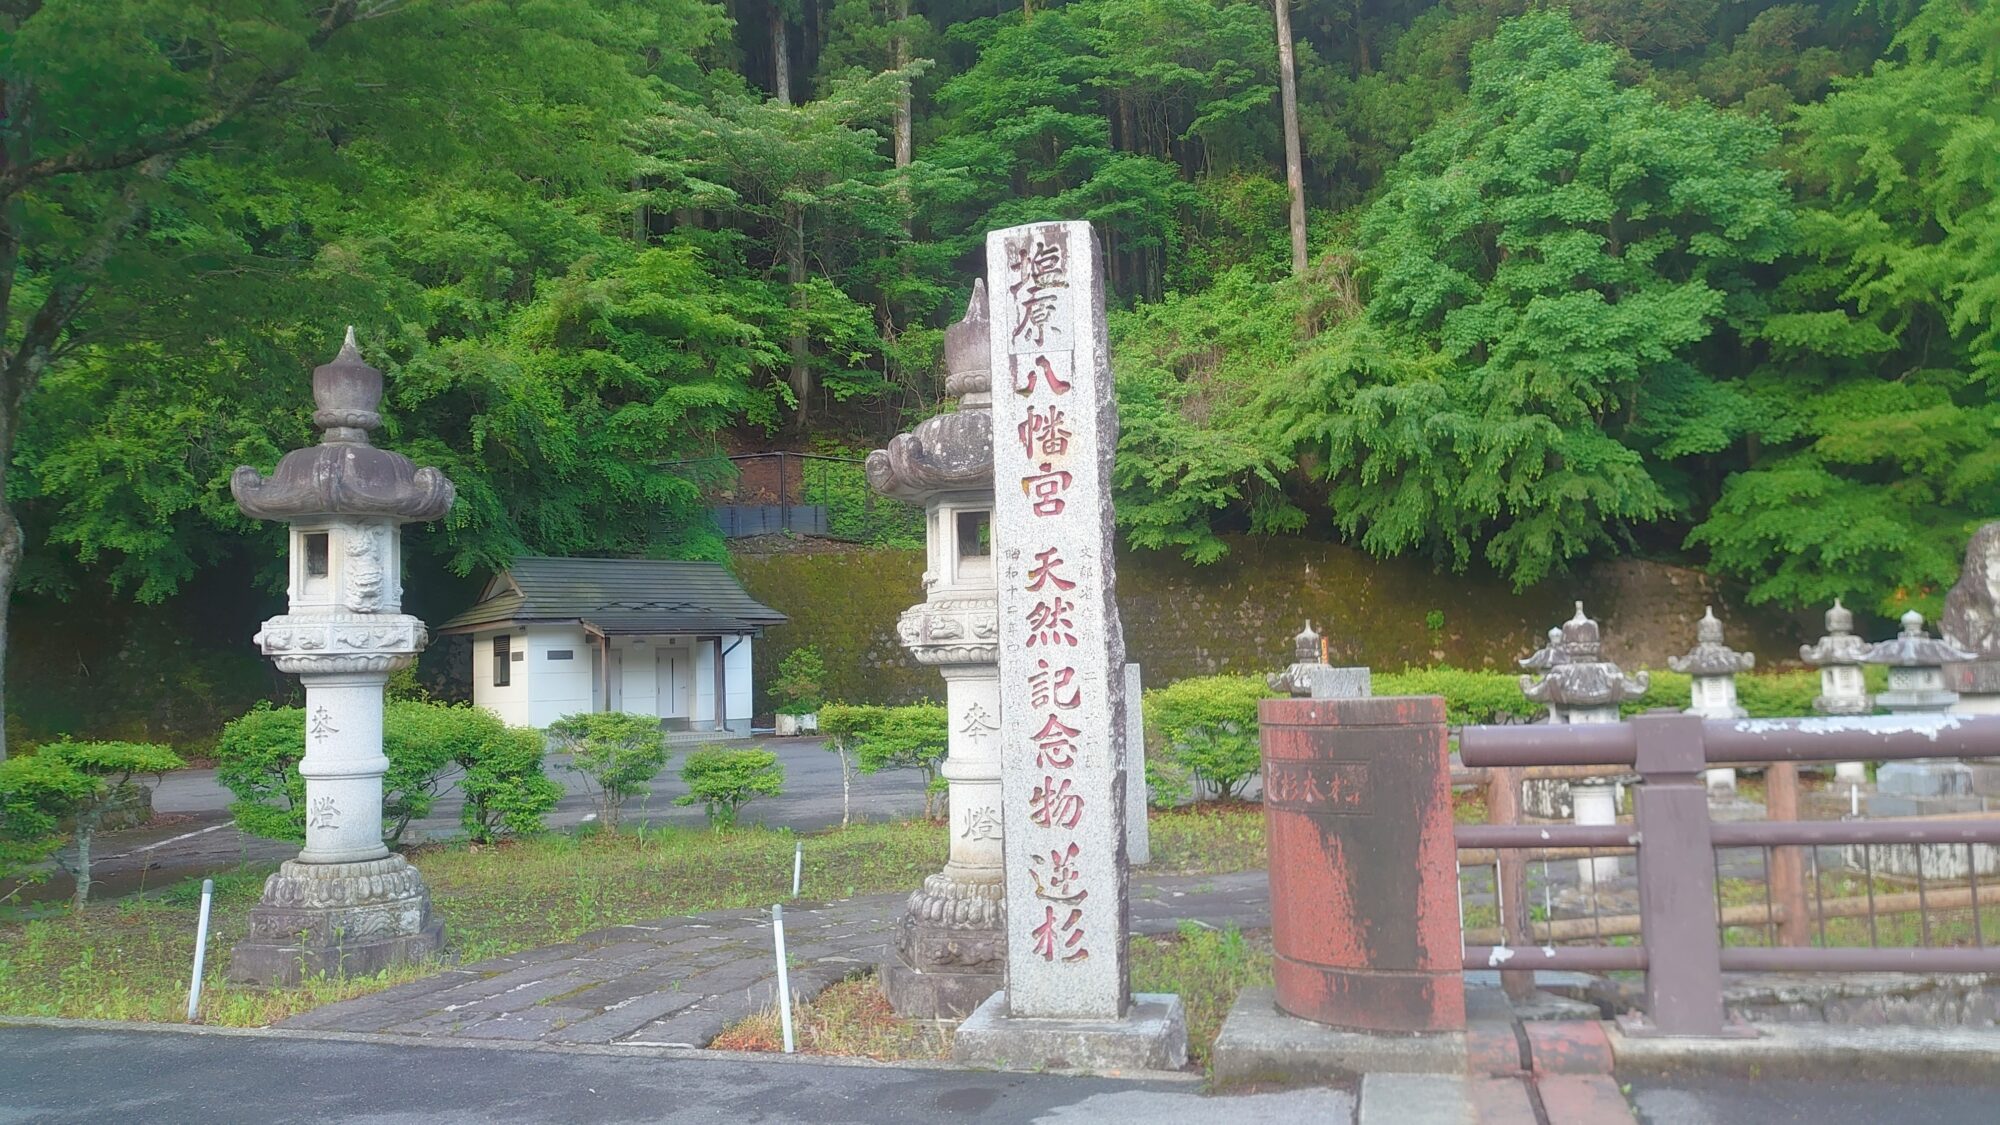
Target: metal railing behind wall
x=1681, y=912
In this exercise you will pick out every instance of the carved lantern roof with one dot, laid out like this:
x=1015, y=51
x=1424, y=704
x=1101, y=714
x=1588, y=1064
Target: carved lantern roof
x=344, y=475
x=1915, y=648
x=1839, y=645
x=948, y=452
x=1709, y=656
x=1577, y=674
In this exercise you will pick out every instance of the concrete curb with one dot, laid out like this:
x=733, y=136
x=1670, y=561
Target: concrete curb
x=614, y=1050
x=1808, y=1051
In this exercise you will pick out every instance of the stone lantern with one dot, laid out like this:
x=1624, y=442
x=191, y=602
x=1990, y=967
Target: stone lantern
x=1310, y=676
x=1916, y=663
x=1578, y=686
x=346, y=904
x=1714, y=666
x=1843, y=690
x=951, y=944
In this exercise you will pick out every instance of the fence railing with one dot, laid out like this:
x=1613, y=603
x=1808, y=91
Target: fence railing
x=783, y=492
x=1681, y=914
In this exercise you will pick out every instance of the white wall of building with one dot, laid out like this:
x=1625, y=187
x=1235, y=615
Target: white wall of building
x=557, y=671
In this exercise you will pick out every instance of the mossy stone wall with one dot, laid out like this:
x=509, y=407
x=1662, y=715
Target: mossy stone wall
x=1239, y=615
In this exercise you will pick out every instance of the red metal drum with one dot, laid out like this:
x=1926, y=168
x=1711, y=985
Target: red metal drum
x=1364, y=873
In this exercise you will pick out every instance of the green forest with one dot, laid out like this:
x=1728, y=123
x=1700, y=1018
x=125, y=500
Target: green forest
x=1715, y=281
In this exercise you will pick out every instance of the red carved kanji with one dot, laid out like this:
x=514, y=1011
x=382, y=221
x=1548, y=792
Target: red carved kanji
x=1058, y=878
x=1055, y=745
x=1029, y=370
x=1047, y=487
x=1052, y=805
x=1050, y=623
x=1044, y=433
x=1046, y=686
x=1065, y=938
x=1044, y=571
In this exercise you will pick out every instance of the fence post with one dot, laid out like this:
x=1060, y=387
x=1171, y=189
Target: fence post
x=1503, y=806
x=1787, y=874
x=1677, y=878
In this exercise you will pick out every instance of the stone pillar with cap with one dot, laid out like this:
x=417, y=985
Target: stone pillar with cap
x=1312, y=677
x=346, y=905
x=950, y=947
x=1919, y=786
x=1578, y=686
x=1712, y=695
x=1843, y=690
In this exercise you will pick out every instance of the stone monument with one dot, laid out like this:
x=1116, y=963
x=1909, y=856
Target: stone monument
x=345, y=905
x=1578, y=686
x=951, y=945
x=1971, y=622
x=1843, y=690
x=1916, y=663
x=1714, y=666
x=1068, y=999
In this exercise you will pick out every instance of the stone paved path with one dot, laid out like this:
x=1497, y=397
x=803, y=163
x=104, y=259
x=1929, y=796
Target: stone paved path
x=681, y=981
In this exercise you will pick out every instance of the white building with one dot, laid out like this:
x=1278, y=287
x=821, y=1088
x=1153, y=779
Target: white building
x=552, y=637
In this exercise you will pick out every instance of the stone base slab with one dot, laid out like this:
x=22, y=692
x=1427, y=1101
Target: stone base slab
x=1152, y=1036
x=1924, y=779
x=1259, y=1043
x=337, y=919
x=921, y=995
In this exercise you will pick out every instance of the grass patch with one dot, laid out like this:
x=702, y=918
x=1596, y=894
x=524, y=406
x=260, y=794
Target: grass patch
x=851, y=1018
x=129, y=959
x=1208, y=838
x=1207, y=968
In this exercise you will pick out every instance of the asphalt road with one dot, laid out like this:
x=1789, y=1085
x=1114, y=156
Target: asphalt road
x=196, y=837
x=164, y=1077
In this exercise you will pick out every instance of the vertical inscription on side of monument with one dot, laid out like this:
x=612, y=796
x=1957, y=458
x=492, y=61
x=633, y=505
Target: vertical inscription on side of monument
x=1061, y=650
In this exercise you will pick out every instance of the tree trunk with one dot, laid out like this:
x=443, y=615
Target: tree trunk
x=905, y=112
x=781, y=57
x=86, y=827
x=10, y=566
x=1295, y=176
x=795, y=276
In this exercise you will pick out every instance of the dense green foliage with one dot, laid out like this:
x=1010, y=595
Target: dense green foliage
x=72, y=783
x=723, y=779
x=800, y=685
x=430, y=746
x=617, y=755
x=1678, y=277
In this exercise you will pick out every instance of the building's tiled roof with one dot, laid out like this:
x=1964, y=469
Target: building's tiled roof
x=617, y=596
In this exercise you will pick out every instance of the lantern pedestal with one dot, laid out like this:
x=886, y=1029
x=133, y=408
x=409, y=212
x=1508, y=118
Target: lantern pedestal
x=337, y=919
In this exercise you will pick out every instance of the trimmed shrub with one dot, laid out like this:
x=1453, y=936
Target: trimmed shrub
x=37, y=794
x=1208, y=727
x=617, y=754
x=107, y=769
x=724, y=780
x=428, y=746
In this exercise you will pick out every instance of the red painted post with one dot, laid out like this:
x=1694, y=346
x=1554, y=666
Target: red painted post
x=1677, y=878
x=1364, y=873
x=1503, y=806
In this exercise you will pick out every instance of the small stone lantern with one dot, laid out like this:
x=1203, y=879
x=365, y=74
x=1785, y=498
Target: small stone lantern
x=1843, y=690
x=1310, y=676
x=1578, y=686
x=1714, y=666
x=1916, y=662
x=346, y=904
x=950, y=947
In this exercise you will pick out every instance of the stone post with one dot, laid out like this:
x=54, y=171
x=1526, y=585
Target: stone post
x=1138, y=833
x=1971, y=621
x=345, y=905
x=1578, y=686
x=1714, y=666
x=1064, y=746
x=950, y=945
x=1843, y=690
x=1919, y=786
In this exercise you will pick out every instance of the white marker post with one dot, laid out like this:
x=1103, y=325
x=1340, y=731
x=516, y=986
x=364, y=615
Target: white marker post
x=798, y=862
x=784, y=976
x=200, y=948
